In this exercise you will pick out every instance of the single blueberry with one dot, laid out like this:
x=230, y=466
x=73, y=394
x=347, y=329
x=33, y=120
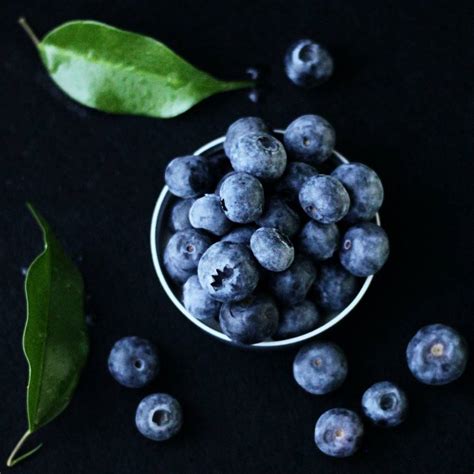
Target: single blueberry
x=241, y=127
x=319, y=241
x=228, y=271
x=272, y=249
x=320, y=367
x=308, y=64
x=334, y=288
x=179, y=218
x=324, y=199
x=260, y=155
x=240, y=235
x=174, y=272
x=385, y=404
x=206, y=213
x=279, y=215
x=251, y=320
x=188, y=176
x=290, y=184
x=198, y=301
x=365, y=190
x=159, y=417
x=292, y=285
x=437, y=354
x=297, y=320
x=310, y=138
x=242, y=198
x=339, y=432
x=364, y=249
x=133, y=362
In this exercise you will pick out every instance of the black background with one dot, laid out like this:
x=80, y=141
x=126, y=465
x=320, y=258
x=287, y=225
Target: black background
x=401, y=101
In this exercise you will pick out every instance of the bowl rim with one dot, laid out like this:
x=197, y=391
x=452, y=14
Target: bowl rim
x=213, y=332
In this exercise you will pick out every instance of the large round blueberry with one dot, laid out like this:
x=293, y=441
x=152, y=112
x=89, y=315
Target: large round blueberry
x=339, y=432
x=334, y=288
x=310, y=138
x=159, y=417
x=308, y=64
x=292, y=285
x=272, y=249
x=242, y=198
x=320, y=367
x=251, y=320
x=206, y=213
x=198, y=301
x=179, y=217
x=242, y=127
x=188, y=176
x=385, y=404
x=297, y=320
x=228, y=271
x=279, y=215
x=437, y=354
x=296, y=173
x=319, y=241
x=324, y=199
x=133, y=361
x=364, y=249
x=365, y=190
x=240, y=235
x=260, y=155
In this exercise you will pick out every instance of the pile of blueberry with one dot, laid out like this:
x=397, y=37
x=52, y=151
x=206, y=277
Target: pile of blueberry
x=274, y=236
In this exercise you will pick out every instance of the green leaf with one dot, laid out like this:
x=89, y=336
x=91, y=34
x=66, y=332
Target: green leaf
x=125, y=73
x=55, y=338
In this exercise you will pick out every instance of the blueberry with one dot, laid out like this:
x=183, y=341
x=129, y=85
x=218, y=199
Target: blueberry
x=251, y=320
x=319, y=241
x=159, y=417
x=258, y=154
x=206, y=213
x=339, y=432
x=174, y=272
x=335, y=287
x=324, y=199
x=228, y=271
x=179, y=218
x=310, y=138
x=364, y=249
x=133, y=362
x=272, y=249
x=296, y=173
x=320, y=367
x=279, y=215
x=291, y=286
x=437, y=354
x=219, y=184
x=308, y=64
x=385, y=404
x=198, y=301
x=240, y=235
x=188, y=176
x=242, y=198
x=365, y=190
x=241, y=127
x=297, y=320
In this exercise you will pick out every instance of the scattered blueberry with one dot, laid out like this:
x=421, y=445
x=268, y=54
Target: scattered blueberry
x=437, y=354
x=179, y=218
x=242, y=198
x=320, y=367
x=308, y=64
x=241, y=127
x=339, y=432
x=133, y=362
x=198, y=301
x=385, y=404
x=272, y=249
x=297, y=320
x=319, y=241
x=159, y=417
x=296, y=173
x=279, y=215
x=251, y=320
x=228, y=271
x=365, y=190
x=324, y=199
x=364, y=249
x=310, y=138
x=206, y=213
x=240, y=235
x=188, y=176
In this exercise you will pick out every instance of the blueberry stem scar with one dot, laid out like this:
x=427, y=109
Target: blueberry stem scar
x=31, y=34
x=11, y=461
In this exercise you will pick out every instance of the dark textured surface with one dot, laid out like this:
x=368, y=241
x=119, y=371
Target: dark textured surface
x=401, y=100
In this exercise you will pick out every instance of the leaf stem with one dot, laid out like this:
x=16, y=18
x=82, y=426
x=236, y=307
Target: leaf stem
x=29, y=31
x=11, y=461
